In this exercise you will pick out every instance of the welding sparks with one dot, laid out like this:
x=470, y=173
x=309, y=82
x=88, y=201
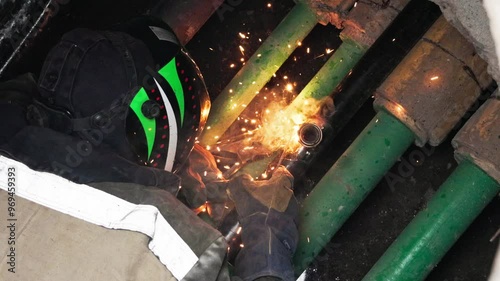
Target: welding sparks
x=201, y=209
x=329, y=51
x=434, y=78
x=269, y=5
x=280, y=125
x=289, y=87
x=242, y=50
x=243, y=36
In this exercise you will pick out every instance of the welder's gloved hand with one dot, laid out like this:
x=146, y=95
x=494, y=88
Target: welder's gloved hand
x=202, y=183
x=268, y=214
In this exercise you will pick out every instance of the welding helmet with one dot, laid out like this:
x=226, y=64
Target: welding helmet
x=133, y=89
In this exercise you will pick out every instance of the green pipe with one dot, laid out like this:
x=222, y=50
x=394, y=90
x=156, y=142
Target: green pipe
x=332, y=73
x=258, y=71
x=435, y=229
x=322, y=85
x=347, y=183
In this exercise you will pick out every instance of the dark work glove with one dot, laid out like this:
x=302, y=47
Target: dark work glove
x=203, y=187
x=267, y=212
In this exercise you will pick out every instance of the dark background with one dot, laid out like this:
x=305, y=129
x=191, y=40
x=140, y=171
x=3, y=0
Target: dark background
x=386, y=211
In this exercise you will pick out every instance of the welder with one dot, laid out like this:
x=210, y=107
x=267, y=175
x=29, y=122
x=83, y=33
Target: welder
x=102, y=144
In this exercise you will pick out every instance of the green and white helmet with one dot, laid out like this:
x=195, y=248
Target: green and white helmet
x=170, y=110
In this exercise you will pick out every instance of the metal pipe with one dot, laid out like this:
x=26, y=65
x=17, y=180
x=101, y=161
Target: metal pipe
x=387, y=52
x=332, y=73
x=258, y=71
x=425, y=110
x=434, y=230
x=186, y=17
x=378, y=62
x=363, y=26
x=310, y=135
x=347, y=184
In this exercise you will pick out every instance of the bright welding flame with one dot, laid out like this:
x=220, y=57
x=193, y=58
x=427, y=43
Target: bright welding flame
x=281, y=124
x=201, y=209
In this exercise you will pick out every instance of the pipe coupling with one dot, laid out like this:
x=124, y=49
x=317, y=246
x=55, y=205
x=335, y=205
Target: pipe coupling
x=479, y=140
x=435, y=85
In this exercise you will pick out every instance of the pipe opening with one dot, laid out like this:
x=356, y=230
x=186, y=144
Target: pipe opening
x=310, y=135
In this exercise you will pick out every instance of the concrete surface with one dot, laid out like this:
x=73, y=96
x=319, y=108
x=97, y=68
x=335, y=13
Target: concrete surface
x=493, y=10
x=470, y=18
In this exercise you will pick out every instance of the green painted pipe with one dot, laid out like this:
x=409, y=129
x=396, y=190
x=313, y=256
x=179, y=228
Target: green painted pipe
x=322, y=85
x=332, y=73
x=258, y=71
x=435, y=229
x=347, y=183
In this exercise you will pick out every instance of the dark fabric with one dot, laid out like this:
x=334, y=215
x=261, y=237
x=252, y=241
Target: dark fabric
x=88, y=70
x=269, y=236
x=91, y=73
x=82, y=161
x=15, y=95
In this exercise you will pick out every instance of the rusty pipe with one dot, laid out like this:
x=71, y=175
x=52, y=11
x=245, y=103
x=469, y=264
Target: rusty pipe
x=186, y=17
